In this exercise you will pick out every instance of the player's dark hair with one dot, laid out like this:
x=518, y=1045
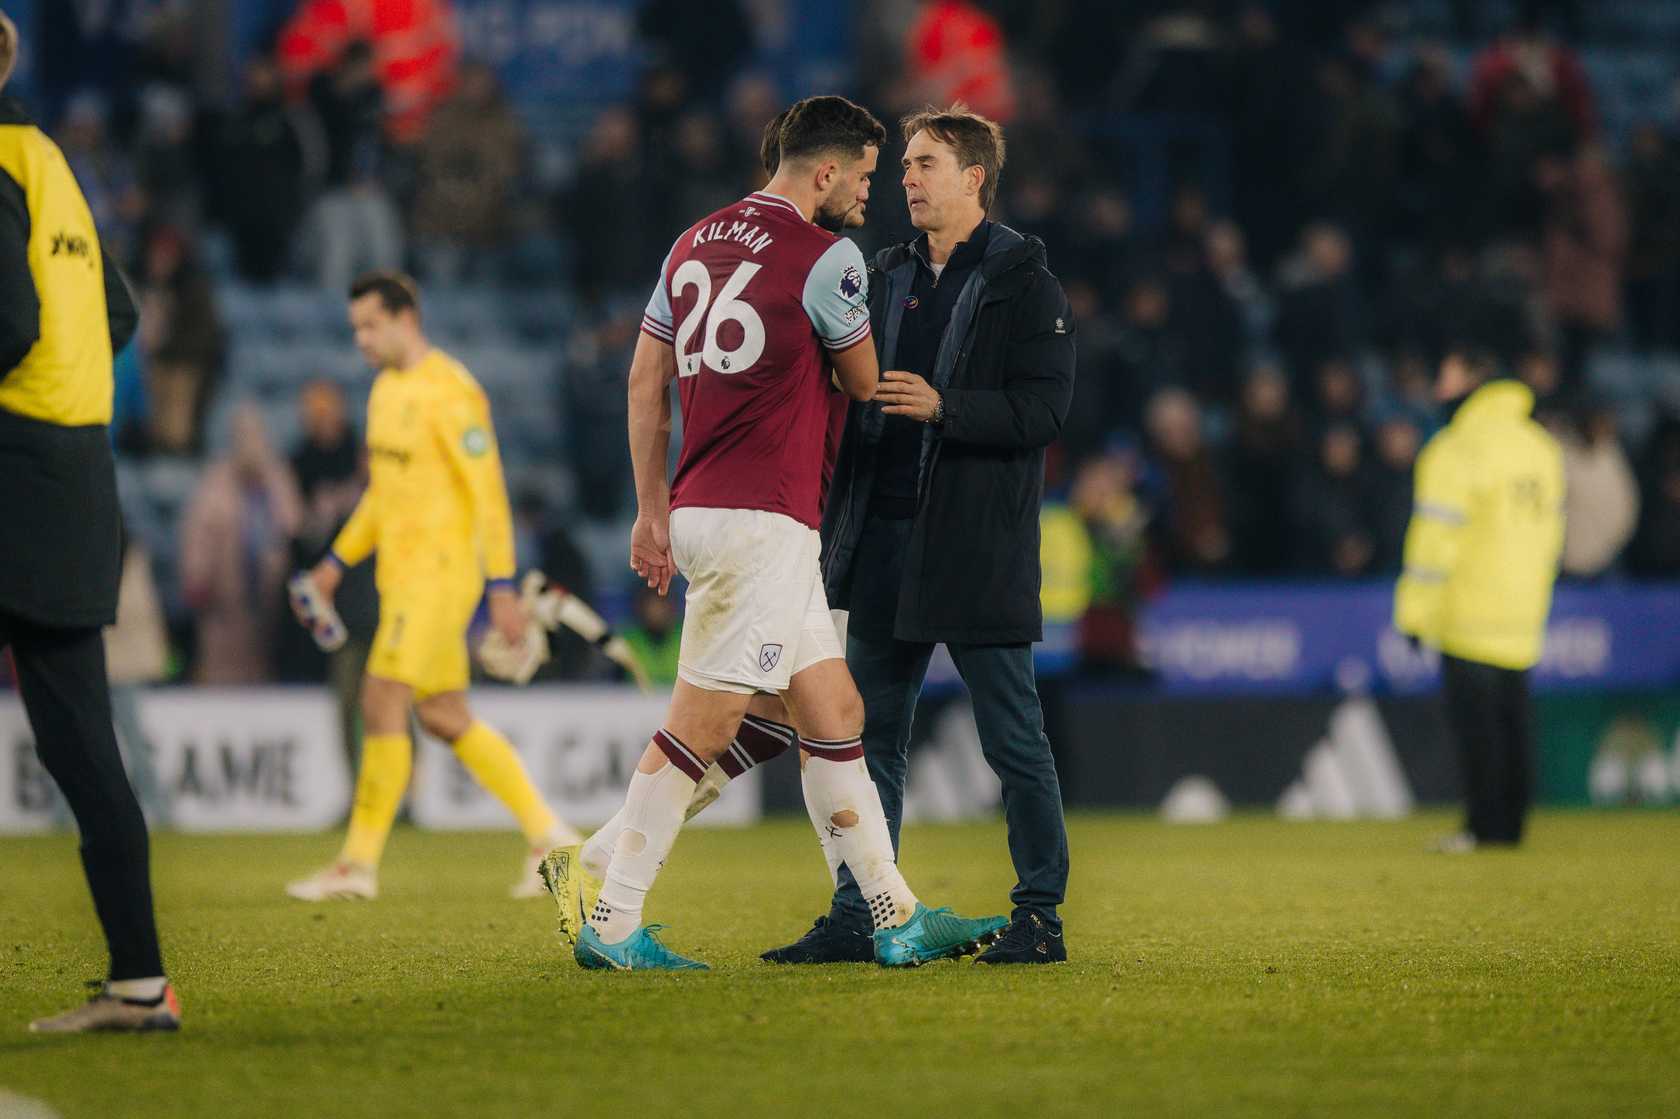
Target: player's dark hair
x=976, y=140
x=770, y=147
x=825, y=125
x=396, y=290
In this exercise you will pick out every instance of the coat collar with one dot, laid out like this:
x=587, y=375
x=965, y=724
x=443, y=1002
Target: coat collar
x=967, y=253
x=1006, y=250
x=1501, y=400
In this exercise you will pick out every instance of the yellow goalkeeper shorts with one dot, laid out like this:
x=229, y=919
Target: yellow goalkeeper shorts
x=422, y=642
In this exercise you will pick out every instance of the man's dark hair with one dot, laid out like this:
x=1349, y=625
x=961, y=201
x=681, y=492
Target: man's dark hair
x=1483, y=362
x=1487, y=332
x=770, y=147
x=396, y=290
x=977, y=141
x=828, y=125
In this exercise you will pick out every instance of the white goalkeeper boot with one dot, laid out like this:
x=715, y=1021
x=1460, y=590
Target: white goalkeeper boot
x=341, y=881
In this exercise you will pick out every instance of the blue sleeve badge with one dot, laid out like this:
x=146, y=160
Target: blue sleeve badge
x=475, y=441
x=851, y=283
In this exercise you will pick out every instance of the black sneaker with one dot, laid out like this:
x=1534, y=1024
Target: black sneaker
x=828, y=942
x=1027, y=940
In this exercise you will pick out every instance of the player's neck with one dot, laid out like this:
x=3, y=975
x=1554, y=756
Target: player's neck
x=413, y=353
x=805, y=199
x=943, y=242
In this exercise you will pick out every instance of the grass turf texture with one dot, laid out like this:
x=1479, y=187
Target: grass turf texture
x=1256, y=967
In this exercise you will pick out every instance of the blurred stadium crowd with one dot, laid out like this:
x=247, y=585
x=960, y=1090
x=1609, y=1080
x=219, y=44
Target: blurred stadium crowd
x=1268, y=216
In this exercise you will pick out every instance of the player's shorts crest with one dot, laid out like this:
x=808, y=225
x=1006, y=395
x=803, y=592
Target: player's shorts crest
x=755, y=599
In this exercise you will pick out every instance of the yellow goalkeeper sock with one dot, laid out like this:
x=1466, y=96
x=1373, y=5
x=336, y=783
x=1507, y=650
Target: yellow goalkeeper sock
x=495, y=764
x=387, y=760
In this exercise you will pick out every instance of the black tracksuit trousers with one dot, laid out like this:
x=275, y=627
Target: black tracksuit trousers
x=61, y=677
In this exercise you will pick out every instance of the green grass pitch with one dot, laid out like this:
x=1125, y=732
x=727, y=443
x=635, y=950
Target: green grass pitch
x=1251, y=968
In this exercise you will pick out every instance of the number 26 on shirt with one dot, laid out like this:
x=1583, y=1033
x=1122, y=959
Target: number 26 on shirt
x=729, y=307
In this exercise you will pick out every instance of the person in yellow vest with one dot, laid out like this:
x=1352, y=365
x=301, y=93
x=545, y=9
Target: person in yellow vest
x=436, y=513
x=1481, y=556
x=64, y=310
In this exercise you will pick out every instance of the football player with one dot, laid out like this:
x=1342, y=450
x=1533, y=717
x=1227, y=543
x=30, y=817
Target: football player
x=436, y=514
x=755, y=305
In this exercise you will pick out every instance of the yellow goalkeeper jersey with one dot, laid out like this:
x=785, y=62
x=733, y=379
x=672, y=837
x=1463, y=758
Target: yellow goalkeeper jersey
x=436, y=509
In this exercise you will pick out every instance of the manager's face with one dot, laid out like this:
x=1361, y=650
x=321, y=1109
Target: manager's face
x=937, y=189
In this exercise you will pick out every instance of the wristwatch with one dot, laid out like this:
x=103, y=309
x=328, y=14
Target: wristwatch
x=938, y=416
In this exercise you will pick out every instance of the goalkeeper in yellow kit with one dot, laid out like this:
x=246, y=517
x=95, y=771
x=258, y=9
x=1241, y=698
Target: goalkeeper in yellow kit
x=436, y=517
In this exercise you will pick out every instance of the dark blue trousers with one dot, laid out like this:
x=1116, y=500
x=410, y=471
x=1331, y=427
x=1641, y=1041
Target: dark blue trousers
x=889, y=675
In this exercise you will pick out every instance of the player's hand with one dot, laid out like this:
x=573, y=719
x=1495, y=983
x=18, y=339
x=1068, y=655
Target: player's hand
x=905, y=394
x=312, y=604
x=507, y=615
x=327, y=575
x=650, y=551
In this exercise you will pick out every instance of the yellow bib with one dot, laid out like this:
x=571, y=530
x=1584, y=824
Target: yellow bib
x=65, y=379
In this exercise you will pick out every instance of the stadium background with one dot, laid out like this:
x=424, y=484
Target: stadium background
x=1267, y=216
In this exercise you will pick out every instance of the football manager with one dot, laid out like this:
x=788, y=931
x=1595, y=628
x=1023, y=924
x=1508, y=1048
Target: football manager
x=930, y=533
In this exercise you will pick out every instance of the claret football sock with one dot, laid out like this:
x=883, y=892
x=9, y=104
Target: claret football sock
x=652, y=816
x=756, y=742
x=598, y=849
x=845, y=809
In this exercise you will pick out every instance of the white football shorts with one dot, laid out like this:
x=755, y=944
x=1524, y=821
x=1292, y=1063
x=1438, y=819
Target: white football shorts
x=756, y=612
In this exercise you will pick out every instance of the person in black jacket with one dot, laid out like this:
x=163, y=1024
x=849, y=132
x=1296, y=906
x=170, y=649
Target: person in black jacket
x=64, y=310
x=930, y=534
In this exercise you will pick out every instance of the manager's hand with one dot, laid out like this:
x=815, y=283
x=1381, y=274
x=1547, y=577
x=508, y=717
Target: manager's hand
x=905, y=394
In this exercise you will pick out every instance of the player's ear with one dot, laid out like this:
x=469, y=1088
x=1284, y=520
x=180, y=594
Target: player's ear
x=827, y=172
x=976, y=177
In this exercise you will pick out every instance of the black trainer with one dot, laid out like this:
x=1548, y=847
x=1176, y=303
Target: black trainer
x=1027, y=940
x=828, y=942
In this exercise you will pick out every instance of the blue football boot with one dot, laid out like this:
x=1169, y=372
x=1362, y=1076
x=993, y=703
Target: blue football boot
x=640, y=951
x=934, y=934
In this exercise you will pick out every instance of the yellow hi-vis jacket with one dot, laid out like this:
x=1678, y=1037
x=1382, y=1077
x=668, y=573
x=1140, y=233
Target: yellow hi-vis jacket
x=1487, y=528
